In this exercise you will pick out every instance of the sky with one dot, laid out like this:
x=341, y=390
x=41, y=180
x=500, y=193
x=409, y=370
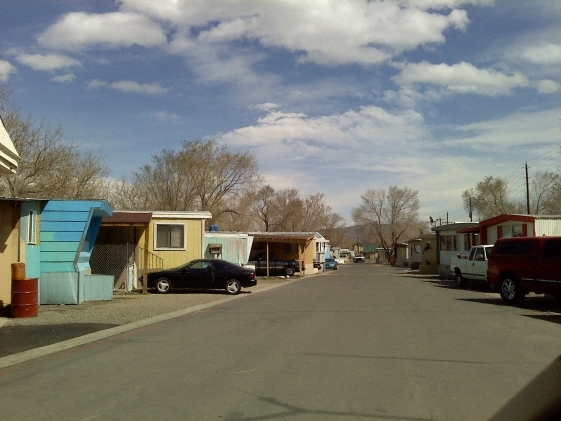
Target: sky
x=332, y=97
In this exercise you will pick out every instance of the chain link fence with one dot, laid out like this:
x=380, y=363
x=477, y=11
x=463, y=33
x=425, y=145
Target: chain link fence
x=125, y=262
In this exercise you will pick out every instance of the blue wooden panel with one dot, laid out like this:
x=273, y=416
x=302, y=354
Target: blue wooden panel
x=62, y=226
x=47, y=267
x=32, y=261
x=58, y=256
x=71, y=205
x=100, y=207
x=60, y=246
x=61, y=236
x=64, y=216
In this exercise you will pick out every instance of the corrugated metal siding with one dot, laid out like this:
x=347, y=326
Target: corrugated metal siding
x=548, y=227
x=235, y=248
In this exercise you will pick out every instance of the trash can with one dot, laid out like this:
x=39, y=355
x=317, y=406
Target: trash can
x=25, y=293
x=25, y=297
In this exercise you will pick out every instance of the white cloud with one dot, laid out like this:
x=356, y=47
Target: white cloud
x=76, y=31
x=6, y=69
x=69, y=77
x=47, y=62
x=168, y=118
x=543, y=54
x=268, y=106
x=327, y=32
x=462, y=78
x=130, y=86
x=547, y=86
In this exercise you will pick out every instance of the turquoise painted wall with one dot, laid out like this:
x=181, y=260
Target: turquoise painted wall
x=68, y=232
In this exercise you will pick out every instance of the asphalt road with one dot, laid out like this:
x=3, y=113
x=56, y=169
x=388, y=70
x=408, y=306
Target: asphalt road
x=363, y=342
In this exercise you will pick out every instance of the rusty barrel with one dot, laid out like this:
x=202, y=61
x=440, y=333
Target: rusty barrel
x=25, y=297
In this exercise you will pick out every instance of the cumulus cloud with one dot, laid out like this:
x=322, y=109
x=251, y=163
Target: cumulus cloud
x=463, y=78
x=168, y=118
x=543, y=54
x=547, y=86
x=47, y=62
x=130, y=86
x=322, y=32
x=78, y=30
x=67, y=78
x=6, y=69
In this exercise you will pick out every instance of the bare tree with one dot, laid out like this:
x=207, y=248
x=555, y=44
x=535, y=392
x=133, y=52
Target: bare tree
x=334, y=230
x=489, y=198
x=392, y=214
x=545, y=193
x=202, y=175
x=50, y=167
x=314, y=213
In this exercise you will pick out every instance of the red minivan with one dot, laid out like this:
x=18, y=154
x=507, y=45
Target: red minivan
x=521, y=265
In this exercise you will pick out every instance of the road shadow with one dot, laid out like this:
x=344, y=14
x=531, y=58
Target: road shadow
x=17, y=339
x=547, y=306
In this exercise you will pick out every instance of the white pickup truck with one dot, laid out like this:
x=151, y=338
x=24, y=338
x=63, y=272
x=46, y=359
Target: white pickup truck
x=473, y=267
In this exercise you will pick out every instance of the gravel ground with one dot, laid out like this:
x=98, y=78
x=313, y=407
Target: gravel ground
x=131, y=307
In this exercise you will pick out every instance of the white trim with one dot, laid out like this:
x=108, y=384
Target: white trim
x=32, y=227
x=181, y=215
x=183, y=247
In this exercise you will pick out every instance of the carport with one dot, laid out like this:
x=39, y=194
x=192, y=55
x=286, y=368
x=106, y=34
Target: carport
x=287, y=245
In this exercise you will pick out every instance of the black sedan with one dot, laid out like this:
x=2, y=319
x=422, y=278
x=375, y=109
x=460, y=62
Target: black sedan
x=203, y=274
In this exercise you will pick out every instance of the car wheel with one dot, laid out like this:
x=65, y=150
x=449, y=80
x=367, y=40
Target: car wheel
x=163, y=285
x=233, y=287
x=289, y=271
x=510, y=291
x=459, y=279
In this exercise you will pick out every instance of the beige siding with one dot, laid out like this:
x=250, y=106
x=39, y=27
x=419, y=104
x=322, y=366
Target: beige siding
x=193, y=242
x=8, y=250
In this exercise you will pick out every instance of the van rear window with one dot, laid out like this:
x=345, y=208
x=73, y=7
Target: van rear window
x=513, y=248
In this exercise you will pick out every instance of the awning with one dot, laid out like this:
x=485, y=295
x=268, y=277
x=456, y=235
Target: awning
x=9, y=157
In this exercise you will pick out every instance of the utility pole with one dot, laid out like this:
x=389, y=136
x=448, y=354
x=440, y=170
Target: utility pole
x=527, y=192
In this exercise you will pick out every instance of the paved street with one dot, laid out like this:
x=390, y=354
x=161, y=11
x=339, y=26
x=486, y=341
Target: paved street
x=363, y=342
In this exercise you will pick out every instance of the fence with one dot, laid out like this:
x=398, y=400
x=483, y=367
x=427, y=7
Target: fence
x=125, y=262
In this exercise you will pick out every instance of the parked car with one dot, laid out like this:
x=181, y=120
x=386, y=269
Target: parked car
x=521, y=265
x=317, y=265
x=359, y=258
x=203, y=274
x=472, y=267
x=276, y=267
x=331, y=264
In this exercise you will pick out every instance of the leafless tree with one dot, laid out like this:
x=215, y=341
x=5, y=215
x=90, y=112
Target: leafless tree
x=50, y=167
x=285, y=210
x=489, y=198
x=202, y=175
x=545, y=193
x=393, y=215
x=334, y=230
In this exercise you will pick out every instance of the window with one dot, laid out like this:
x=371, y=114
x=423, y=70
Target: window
x=170, y=236
x=448, y=243
x=32, y=227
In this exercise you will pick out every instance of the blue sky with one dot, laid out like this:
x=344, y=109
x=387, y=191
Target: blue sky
x=331, y=96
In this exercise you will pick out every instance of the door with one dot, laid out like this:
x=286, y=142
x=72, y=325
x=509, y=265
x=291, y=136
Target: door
x=477, y=265
x=548, y=267
x=198, y=274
